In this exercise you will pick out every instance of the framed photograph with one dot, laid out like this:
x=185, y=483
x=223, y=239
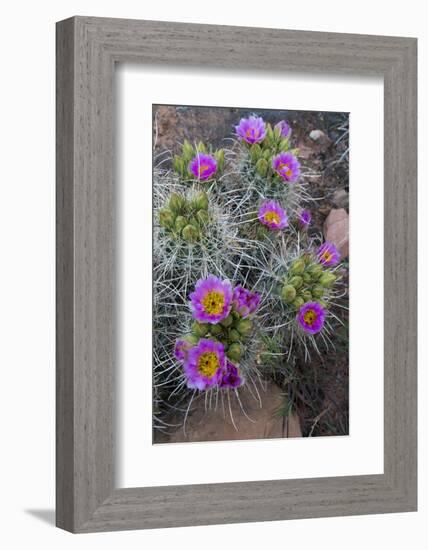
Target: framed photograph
x=236, y=274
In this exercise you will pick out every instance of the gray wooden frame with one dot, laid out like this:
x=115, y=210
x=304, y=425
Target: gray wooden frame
x=87, y=50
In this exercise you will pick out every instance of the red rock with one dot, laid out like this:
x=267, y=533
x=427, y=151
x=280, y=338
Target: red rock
x=336, y=230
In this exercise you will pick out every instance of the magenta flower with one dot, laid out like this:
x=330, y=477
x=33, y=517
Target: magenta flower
x=202, y=166
x=245, y=302
x=252, y=130
x=272, y=215
x=230, y=377
x=305, y=218
x=284, y=128
x=328, y=254
x=205, y=364
x=212, y=300
x=286, y=166
x=181, y=349
x=311, y=317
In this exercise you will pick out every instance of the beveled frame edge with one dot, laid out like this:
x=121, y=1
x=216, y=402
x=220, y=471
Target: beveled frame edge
x=87, y=50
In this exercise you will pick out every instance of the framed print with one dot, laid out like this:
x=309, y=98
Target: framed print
x=236, y=274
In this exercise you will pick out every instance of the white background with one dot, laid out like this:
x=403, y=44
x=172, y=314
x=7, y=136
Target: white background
x=27, y=274
x=362, y=451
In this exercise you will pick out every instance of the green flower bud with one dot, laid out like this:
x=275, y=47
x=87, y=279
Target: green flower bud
x=234, y=335
x=283, y=144
x=201, y=201
x=315, y=270
x=180, y=223
x=176, y=203
x=307, y=277
x=306, y=257
x=255, y=152
x=298, y=302
x=277, y=132
x=190, y=233
x=327, y=279
x=166, y=218
x=296, y=281
x=188, y=151
x=191, y=338
x=244, y=327
x=227, y=321
x=202, y=217
x=199, y=329
x=307, y=295
x=288, y=293
x=262, y=167
x=297, y=267
x=267, y=155
x=216, y=330
x=201, y=147
x=178, y=165
x=219, y=156
x=318, y=291
x=234, y=352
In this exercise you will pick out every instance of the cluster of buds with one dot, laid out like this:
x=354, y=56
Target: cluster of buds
x=185, y=218
x=231, y=332
x=269, y=148
x=223, y=323
x=307, y=280
x=197, y=162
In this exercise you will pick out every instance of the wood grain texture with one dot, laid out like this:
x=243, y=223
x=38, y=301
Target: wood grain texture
x=87, y=50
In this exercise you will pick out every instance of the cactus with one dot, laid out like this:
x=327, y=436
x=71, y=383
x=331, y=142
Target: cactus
x=225, y=217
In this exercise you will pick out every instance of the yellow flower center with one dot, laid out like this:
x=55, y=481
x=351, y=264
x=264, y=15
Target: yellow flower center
x=208, y=364
x=213, y=302
x=309, y=317
x=327, y=256
x=252, y=133
x=284, y=167
x=272, y=217
x=203, y=168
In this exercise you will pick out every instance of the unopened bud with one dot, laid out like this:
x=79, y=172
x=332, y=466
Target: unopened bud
x=297, y=267
x=307, y=295
x=176, y=203
x=227, y=321
x=188, y=151
x=202, y=217
x=234, y=335
x=166, y=218
x=178, y=165
x=318, y=291
x=234, y=352
x=315, y=270
x=296, y=281
x=191, y=338
x=288, y=293
x=199, y=329
x=180, y=223
x=244, y=327
x=219, y=156
x=298, y=302
x=262, y=167
x=306, y=277
x=216, y=330
x=327, y=279
x=255, y=152
x=190, y=233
